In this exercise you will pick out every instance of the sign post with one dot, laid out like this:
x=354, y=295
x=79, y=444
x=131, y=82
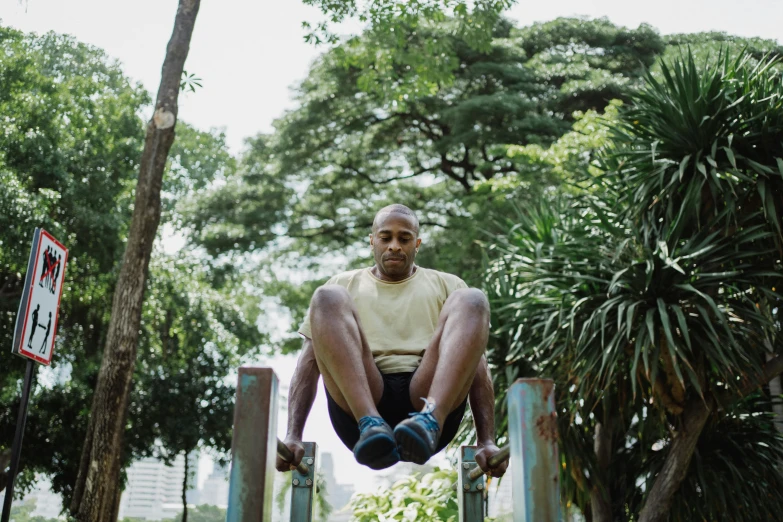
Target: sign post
x=36, y=329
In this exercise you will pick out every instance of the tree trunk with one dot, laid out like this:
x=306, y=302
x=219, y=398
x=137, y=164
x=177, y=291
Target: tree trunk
x=600, y=497
x=184, y=491
x=659, y=501
x=98, y=479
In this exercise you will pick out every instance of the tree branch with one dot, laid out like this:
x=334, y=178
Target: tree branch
x=772, y=369
x=367, y=177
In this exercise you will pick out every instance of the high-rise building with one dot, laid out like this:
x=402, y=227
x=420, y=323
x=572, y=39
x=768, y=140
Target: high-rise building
x=338, y=495
x=154, y=490
x=214, y=491
x=500, y=491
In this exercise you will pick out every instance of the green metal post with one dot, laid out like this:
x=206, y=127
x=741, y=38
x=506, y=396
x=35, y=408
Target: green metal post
x=254, y=447
x=470, y=490
x=303, y=487
x=532, y=427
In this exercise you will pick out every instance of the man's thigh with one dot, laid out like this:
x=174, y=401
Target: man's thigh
x=422, y=380
x=373, y=375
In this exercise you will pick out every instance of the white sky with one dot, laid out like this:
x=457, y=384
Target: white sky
x=250, y=53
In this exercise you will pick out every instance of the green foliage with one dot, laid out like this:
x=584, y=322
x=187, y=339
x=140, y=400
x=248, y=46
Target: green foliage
x=426, y=498
x=202, y=513
x=70, y=138
x=390, y=47
x=70, y=141
x=22, y=512
x=314, y=184
x=193, y=337
x=657, y=286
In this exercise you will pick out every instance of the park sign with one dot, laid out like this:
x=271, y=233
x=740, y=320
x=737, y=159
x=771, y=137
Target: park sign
x=36, y=322
x=36, y=328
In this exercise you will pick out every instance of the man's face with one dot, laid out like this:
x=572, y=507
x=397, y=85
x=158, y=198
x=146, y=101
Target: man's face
x=394, y=243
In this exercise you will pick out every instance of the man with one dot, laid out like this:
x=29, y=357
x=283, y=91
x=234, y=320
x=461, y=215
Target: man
x=401, y=349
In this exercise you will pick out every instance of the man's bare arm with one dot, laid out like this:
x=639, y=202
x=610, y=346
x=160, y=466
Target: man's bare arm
x=482, y=405
x=301, y=395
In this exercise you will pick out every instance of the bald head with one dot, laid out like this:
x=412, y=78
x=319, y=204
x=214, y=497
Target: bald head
x=395, y=209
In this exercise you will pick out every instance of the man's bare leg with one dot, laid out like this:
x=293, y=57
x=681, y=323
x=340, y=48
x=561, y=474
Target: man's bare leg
x=350, y=375
x=448, y=367
x=342, y=353
x=449, y=364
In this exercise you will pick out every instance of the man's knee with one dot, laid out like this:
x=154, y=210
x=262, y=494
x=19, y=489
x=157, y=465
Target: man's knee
x=472, y=300
x=330, y=298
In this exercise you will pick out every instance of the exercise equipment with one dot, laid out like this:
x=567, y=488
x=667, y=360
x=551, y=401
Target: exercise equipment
x=532, y=451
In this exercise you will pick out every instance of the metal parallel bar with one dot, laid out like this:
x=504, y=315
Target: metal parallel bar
x=470, y=490
x=303, y=486
x=253, y=448
x=532, y=425
x=284, y=453
x=493, y=461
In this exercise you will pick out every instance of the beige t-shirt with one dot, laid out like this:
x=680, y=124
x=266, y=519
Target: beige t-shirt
x=398, y=319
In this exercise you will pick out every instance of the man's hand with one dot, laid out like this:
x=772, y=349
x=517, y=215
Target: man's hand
x=297, y=448
x=483, y=455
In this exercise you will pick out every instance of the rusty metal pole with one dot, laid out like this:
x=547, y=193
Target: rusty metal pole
x=303, y=486
x=470, y=488
x=532, y=426
x=254, y=447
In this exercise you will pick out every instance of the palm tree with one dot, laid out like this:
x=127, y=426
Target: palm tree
x=653, y=297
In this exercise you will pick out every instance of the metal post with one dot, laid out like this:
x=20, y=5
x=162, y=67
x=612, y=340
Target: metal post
x=532, y=426
x=254, y=447
x=470, y=490
x=16, y=449
x=303, y=486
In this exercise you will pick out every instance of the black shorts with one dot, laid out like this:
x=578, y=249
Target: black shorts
x=394, y=407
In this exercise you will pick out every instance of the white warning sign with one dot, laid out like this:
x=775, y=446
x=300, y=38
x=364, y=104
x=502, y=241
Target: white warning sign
x=36, y=324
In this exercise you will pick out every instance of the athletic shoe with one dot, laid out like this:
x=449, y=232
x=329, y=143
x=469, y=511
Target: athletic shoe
x=417, y=437
x=376, y=447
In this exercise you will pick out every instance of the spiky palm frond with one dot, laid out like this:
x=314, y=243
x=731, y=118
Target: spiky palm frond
x=736, y=474
x=584, y=302
x=703, y=139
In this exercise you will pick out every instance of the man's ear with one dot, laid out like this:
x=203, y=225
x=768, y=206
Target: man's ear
x=371, y=241
x=418, y=242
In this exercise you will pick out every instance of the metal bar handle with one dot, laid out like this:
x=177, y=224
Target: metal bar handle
x=493, y=461
x=284, y=453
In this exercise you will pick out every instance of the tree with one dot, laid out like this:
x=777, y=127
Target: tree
x=67, y=152
x=385, y=50
x=193, y=338
x=75, y=180
x=348, y=146
x=649, y=298
x=314, y=184
x=96, y=494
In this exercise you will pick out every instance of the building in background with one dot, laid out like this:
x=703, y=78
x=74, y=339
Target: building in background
x=154, y=490
x=500, y=503
x=214, y=491
x=338, y=495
